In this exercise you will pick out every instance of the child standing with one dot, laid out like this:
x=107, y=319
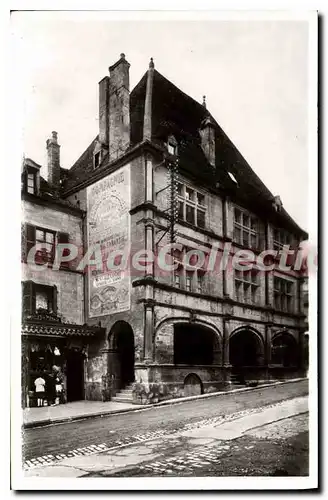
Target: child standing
x=39, y=390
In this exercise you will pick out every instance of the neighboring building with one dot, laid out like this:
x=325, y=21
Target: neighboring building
x=53, y=329
x=160, y=157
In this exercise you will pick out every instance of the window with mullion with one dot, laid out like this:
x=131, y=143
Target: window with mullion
x=46, y=240
x=191, y=206
x=245, y=229
x=283, y=295
x=281, y=238
x=246, y=286
x=31, y=183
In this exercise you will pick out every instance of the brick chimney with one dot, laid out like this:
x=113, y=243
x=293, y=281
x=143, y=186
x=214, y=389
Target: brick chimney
x=104, y=111
x=53, y=154
x=207, y=135
x=119, y=108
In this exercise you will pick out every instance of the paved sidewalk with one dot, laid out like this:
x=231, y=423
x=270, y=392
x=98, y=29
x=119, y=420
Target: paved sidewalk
x=37, y=417
x=194, y=445
x=33, y=417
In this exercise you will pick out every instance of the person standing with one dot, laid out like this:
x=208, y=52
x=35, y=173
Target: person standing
x=39, y=390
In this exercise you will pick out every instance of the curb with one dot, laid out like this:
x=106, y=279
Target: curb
x=167, y=402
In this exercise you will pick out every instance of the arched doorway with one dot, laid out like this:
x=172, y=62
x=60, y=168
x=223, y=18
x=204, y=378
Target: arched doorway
x=122, y=361
x=195, y=344
x=192, y=385
x=284, y=350
x=245, y=349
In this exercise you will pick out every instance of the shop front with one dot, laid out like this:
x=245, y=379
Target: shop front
x=54, y=357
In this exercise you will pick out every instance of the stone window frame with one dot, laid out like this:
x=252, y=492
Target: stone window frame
x=281, y=237
x=283, y=294
x=189, y=279
x=247, y=285
x=49, y=292
x=46, y=256
x=31, y=182
x=96, y=160
x=189, y=198
x=248, y=225
x=42, y=256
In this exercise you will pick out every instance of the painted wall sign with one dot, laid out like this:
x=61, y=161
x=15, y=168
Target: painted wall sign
x=108, y=219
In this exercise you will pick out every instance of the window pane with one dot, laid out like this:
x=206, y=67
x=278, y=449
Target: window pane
x=247, y=289
x=246, y=221
x=190, y=194
x=238, y=290
x=190, y=214
x=237, y=236
x=277, y=301
x=253, y=224
x=180, y=189
x=253, y=241
x=49, y=238
x=41, y=300
x=237, y=216
x=200, y=199
x=200, y=218
x=188, y=281
x=180, y=210
x=200, y=279
x=254, y=277
x=245, y=239
x=254, y=294
x=39, y=235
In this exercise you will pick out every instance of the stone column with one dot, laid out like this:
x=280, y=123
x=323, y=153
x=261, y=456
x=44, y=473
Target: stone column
x=149, y=180
x=148, y=333
x=149, y=246
x=225, y=347
x=267, y=344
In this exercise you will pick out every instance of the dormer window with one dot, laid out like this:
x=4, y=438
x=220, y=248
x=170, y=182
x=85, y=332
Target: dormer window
x=31, y=184
x=97, y=160
x=172, y=145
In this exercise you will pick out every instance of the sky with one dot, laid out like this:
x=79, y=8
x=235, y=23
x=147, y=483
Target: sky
x=254, y=75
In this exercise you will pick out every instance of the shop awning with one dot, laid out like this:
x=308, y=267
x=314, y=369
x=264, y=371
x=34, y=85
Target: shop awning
x=33, y=328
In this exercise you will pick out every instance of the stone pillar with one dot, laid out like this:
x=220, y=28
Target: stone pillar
x=149, y=180
x=267, y=344
x=148, y=333
x=149, y=227
x=225, y=349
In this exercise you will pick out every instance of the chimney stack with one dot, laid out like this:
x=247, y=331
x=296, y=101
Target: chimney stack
x=53, y=154
x=119, y=108
x=104, y=111
x=207, y=135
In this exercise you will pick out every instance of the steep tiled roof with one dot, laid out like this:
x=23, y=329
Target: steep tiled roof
x=174, y=112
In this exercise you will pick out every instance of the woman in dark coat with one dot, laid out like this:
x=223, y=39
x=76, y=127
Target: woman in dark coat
x=51, y=388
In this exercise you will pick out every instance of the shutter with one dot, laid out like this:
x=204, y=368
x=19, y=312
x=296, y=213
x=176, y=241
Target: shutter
x=28, y=298
x=55, y=294
x=23, y=243
x=64, y=238
x=30, y=238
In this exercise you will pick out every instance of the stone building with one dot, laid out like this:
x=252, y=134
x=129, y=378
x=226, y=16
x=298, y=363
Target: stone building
x=162, y=171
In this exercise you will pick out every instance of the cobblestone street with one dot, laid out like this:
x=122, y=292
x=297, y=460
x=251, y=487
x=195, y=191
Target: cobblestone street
x=256, y=440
